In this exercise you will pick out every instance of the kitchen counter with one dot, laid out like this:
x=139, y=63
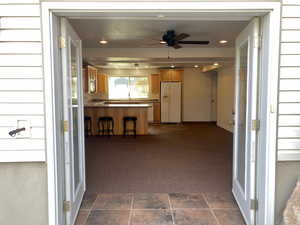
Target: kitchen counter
x=101, y=105
x=118, y=112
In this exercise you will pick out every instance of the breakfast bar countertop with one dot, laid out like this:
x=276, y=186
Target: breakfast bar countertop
x=118, y=112
x=117, y=105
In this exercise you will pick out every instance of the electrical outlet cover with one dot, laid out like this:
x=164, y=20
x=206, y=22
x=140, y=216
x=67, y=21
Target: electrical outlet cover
x=27, y=132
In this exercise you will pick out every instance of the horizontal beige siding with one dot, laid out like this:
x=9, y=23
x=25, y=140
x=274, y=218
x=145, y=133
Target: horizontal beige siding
x=21, y=84
x=20, y=35
x=21, y=72
x=20, y=47
x=289, y=94
x=21, y=80
x=9, y=10
x=10, y=120
x=24, y=23
x=21, y=96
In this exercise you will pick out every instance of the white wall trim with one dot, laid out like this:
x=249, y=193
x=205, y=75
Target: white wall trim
x=61, y=8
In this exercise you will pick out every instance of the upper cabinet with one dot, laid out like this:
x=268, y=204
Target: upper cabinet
x=90, y=80
x=102, y=84
x=171, y=75
x=94, y=81
x=155, y=85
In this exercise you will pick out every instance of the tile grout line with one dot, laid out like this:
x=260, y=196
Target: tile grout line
x=90, y=210
x=210, y=209
x=171, y=210
x=131, y=209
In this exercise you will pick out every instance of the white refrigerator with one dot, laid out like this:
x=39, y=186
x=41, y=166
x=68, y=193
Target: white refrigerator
x=170, y=102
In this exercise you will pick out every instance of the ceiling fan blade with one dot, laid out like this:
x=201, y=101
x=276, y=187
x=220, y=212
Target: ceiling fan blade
x=181, y=36
x=177, y=46
x=194, y=42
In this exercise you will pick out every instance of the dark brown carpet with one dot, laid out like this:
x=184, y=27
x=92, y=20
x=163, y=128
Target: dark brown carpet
x=187, y=158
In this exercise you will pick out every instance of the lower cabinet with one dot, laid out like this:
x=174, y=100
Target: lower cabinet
x=156, y=112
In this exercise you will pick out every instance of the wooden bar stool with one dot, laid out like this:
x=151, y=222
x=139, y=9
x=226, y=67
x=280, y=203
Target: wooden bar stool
x=106, y=125
x=87, y=125
x=128, y=119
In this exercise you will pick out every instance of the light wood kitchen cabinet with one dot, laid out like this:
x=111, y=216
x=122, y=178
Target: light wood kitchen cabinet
x=171, y=75
x=85, y=80
x=90, y=79
x=155, y=85
x=156, y=112
x=102, y=84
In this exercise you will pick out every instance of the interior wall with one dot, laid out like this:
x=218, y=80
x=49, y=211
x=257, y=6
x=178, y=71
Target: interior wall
x=225, y=96
x=214, y=96
x=23, y=192
x=196, y=95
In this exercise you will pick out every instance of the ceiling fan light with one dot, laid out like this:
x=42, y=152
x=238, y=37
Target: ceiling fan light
x=172, y=66
x=103, y=42
x=196, y=66
x=223, y=42
x=162, y=42
x=216, y=64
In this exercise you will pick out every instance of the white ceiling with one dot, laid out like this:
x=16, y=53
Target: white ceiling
x=146, y=33
x=143, y=33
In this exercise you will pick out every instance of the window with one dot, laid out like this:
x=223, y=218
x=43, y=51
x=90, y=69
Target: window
x=128, y=87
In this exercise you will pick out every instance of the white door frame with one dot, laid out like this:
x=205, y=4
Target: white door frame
x=270, y=67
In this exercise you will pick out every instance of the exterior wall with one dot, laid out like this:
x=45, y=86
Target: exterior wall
x=23, y=188
x=289, y=106
x=21, y=80
x=287, y=175
x=23, y=191
x=21, y=97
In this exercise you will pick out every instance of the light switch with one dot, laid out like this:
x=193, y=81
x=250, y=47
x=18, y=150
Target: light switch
x=27, y=132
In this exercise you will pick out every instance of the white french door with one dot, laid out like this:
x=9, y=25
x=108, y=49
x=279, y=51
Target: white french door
x=73, y=120
x=244, y=157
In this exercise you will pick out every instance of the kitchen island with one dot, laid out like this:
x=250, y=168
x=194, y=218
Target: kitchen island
x=118, y=112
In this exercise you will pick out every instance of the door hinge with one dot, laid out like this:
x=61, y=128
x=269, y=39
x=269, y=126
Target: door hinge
x=254, y=204
x=67, y=206
x=62, y=42
x=255, y=125
x=65, y=126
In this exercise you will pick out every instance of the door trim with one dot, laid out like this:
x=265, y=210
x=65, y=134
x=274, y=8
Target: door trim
x=270, y=66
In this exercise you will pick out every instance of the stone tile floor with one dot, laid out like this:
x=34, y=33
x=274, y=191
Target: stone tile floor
x=159, y=209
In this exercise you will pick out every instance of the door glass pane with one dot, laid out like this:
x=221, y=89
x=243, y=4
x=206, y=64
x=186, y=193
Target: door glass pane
x=241, y=123
x=75, y=133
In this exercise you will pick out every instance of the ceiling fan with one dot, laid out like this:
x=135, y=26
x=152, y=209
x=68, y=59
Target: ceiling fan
x=174, y=40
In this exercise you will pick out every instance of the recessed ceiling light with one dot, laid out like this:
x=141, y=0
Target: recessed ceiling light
x=223, y=42
x=162, y=42
x=216, y=64
x=160, y=16
x=196, y=66
x=103, y=42
x=172, y=66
